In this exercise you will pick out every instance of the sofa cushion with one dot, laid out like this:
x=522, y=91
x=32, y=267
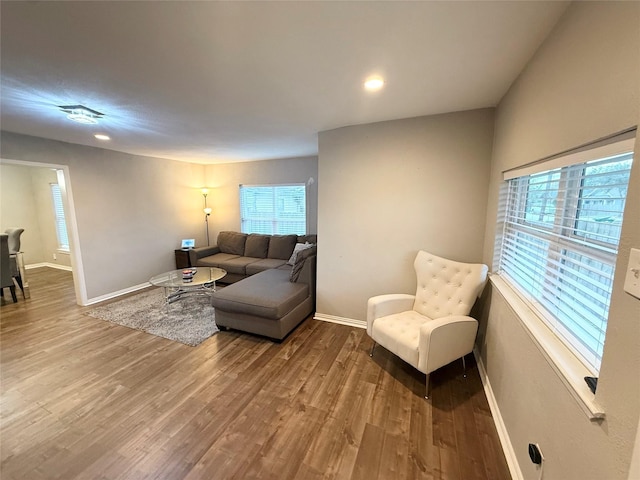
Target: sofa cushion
x=256, y=246
x=399, y=333
x=264, y=264
x=216, y=260
x=268, y=294
x=281, y=246
x=237, y=264
x=232, y=242
x=300, y=259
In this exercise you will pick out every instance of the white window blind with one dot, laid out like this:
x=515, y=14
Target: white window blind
x=61, y=224
x=273, y=209
x=559, y=246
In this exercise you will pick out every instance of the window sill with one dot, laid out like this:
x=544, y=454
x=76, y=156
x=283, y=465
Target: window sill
x=568, y=368
x=63, y=251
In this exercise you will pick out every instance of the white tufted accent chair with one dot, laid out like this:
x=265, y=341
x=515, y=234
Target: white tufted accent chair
x=431, y=328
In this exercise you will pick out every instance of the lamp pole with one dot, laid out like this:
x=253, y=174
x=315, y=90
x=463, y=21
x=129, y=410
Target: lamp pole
x=207, y=212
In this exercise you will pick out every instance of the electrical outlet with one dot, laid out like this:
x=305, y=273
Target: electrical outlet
x=632, y=280
x=55, y=257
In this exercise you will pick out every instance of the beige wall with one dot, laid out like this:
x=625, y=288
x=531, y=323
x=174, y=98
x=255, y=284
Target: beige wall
x=223, y=181
x=389, y=189
x=131, y=211
x=582, y=84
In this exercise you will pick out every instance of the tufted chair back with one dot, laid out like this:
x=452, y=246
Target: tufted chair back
x=446, y=287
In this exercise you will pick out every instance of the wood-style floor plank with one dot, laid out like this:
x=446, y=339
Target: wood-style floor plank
x=82, y=398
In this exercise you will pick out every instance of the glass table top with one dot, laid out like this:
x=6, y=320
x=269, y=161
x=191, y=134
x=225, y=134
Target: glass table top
x=175, y=278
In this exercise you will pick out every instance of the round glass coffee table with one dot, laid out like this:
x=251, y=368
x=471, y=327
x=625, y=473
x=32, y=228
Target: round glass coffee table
x=176, y=285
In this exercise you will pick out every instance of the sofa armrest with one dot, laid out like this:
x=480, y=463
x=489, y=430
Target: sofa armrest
x=200, y=252
x=383, y=305
x=444, y=340
x=308, y=275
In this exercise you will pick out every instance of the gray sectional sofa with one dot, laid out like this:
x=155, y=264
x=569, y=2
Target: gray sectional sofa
x=270, y=292
x=243, y=255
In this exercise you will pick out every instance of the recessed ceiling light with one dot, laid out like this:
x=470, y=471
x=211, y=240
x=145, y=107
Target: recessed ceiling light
x=81, y=114
x=101, y=136
x=374, y=83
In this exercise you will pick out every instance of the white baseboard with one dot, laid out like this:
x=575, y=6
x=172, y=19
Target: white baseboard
x=505, y=441
x=109, y=296
x=49, y=265
x=341, y=320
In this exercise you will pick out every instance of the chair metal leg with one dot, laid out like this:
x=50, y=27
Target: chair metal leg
x=372, y=349
x=464, y=368
x=426, y=391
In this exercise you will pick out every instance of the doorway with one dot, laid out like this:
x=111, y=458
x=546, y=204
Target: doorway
x=37, y=197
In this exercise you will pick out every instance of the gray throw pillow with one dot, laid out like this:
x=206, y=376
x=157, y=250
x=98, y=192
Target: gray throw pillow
x=300, y=259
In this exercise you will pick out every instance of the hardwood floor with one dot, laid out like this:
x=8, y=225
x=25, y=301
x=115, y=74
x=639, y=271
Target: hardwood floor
x=86, y=399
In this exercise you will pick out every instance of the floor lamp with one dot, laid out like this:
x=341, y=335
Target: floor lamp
x=207, y=212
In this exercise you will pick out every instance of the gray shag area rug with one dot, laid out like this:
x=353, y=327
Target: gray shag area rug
x=189, y=320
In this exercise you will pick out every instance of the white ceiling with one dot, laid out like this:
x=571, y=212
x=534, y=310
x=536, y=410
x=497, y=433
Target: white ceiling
x=226, y=81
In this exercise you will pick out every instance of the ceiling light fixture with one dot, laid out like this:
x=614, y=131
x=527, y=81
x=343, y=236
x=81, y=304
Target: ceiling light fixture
x=101, y=136
x=373, y=83
x=81, y=114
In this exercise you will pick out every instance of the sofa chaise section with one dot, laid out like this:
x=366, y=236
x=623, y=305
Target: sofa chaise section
x=270, y=303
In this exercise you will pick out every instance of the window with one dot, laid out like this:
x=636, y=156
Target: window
x=560, y=241
x=61, y=225
x=273, y=209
